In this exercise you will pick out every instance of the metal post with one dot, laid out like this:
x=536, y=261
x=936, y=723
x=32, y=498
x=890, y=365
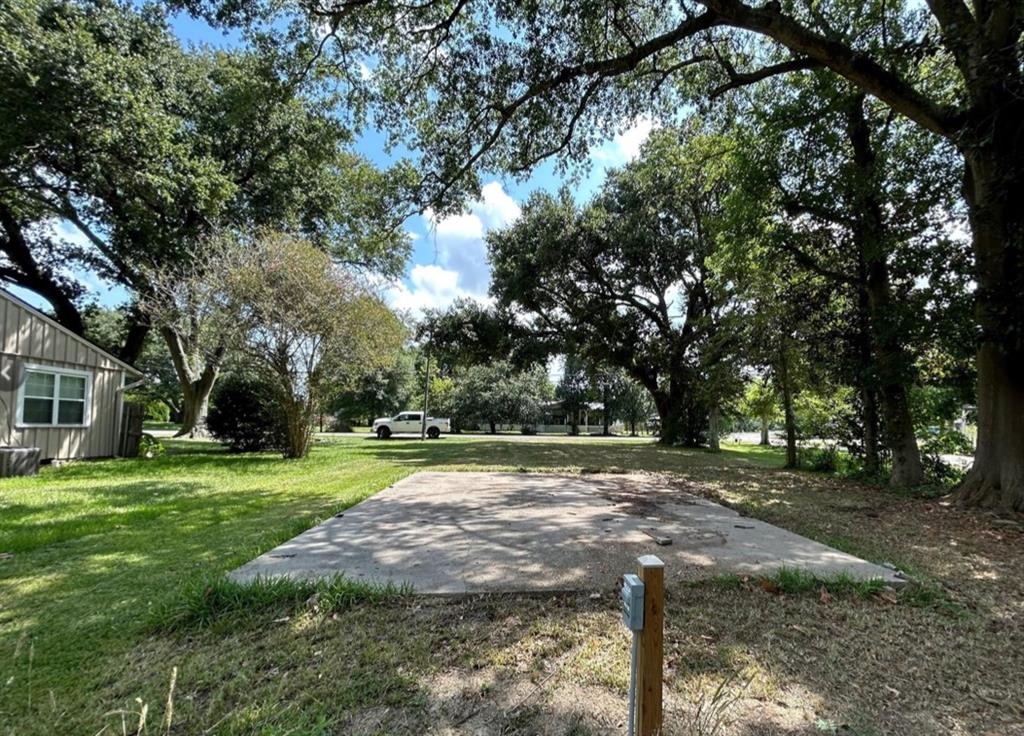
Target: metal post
x=426, y=396
x=649, y=666
x=632, y=684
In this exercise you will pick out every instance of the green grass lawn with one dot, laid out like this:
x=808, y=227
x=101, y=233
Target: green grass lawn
x=93, y=554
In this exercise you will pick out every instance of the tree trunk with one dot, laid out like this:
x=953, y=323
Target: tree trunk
x=865, y=374
x=893, y=369
x=900, y=438
x=892, y=366
x=996, y=480
x=195, y=405
x=786, y=389
x=683, y=419
x=299, y=418
x=135, y=339
x=494, y=429
x=714, y=422
x=668, y=417
x=196, y=374
x=994, y=188
x=764, y=431
x=869, y=420
x=604, y=430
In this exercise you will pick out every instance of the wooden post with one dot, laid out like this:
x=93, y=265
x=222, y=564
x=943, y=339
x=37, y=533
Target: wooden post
x=651, y=571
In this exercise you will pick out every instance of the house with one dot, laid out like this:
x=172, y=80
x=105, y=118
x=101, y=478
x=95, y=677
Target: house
x=58, y=391
x=589, y=419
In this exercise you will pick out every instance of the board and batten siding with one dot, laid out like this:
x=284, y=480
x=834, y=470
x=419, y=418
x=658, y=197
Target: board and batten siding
x=29, y=338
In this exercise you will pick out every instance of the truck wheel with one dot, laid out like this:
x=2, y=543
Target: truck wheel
x=433, y=433
x=383, y=433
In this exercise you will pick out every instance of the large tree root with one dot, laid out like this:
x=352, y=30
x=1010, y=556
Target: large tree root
x=988, y=490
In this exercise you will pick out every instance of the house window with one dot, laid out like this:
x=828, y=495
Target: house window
x=51, y=397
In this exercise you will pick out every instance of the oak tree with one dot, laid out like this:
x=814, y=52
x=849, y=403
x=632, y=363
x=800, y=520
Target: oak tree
x=502, y=86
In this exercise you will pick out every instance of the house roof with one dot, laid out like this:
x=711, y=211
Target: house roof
x=589, y=405
x=53, y=323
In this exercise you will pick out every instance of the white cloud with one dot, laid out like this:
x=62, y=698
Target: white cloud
x=460, y=238
x=429, y=287
x=625, y=146
x=434, y=279
x=459, y=227
x=496, y=206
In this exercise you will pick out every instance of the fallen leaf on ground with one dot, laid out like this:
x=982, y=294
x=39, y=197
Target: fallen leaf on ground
x=887, y=596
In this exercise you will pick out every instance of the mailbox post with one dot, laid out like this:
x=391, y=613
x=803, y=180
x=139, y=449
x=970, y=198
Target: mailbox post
x=649, y=659
x=643, y=613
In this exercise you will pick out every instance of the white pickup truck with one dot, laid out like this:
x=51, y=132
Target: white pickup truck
x=410, y=422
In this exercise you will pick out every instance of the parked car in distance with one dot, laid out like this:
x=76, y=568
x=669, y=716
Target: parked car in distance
x=410, y=422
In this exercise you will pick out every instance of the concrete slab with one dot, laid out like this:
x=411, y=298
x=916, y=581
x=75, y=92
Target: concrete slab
x=453, y=533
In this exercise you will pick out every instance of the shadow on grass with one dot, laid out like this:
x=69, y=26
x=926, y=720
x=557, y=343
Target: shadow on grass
x=523, y=665
x=96, y=545
x=25, y=527
x=560, y=454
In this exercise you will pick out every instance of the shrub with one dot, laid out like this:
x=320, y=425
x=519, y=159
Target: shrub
x=244, y=416
x=338, y=423
x=937, y=470
x=157, y=411
x=150, y=447
x=947, y=442
x=820, y=459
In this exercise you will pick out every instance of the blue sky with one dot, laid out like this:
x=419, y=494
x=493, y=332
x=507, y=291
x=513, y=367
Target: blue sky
x=449, y=255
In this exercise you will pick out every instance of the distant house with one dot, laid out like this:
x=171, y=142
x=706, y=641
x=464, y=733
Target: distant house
x=589, y=419
x=58, y=391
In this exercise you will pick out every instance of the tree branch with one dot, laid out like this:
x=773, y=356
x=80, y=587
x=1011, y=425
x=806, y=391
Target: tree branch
x=603, y=68
x=742, y=79
x=958, y=28
x=855, y=66
x=807, y=261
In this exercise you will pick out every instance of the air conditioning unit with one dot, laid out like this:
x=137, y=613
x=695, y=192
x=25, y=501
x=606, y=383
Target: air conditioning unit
x=18, y=461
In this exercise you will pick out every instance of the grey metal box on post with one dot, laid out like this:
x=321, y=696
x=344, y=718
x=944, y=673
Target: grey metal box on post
x=632, y=595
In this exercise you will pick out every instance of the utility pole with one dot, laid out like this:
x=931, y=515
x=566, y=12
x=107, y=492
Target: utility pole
x=426, y=392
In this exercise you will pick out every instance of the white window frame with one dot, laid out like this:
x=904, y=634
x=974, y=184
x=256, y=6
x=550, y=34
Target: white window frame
x=57, y=372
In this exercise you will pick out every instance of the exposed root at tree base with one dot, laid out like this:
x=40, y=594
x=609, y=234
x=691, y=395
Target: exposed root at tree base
x=981, y=490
